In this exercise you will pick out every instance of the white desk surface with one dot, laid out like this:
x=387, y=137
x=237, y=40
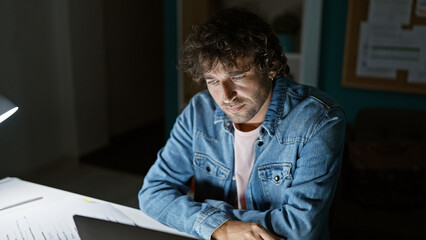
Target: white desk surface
x=15, y=190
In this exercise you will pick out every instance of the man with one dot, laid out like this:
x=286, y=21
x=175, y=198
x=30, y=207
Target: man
x=265, y=151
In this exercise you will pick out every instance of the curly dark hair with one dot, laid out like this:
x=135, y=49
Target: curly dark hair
x=231, y=34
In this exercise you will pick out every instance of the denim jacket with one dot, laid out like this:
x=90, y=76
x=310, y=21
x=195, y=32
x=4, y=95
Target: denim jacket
x=295, y=172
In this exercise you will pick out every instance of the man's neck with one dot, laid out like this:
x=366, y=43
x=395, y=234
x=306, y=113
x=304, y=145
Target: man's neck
x=247, y=127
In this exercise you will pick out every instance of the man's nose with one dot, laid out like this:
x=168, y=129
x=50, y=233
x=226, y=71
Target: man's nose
x=229, y=93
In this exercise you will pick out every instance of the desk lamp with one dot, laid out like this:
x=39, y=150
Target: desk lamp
x=7, y=108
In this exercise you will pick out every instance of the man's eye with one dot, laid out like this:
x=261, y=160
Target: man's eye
x=238, y=77
x=212, y=82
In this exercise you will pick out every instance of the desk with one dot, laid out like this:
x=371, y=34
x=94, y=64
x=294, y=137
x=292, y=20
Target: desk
x=15, y=190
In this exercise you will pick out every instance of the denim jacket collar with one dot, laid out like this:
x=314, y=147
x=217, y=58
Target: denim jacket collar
x=275, y=109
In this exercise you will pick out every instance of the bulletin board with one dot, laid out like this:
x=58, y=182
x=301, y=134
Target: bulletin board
x=401, y=79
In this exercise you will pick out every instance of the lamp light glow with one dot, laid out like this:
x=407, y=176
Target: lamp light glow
x=7, y=108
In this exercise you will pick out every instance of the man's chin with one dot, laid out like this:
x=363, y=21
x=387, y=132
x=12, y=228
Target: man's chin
x=242, y=116
x=237, y=118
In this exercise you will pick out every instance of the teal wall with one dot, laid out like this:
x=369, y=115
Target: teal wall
x=331, y=62
x=170, y=61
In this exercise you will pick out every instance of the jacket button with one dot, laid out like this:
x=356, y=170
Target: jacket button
x=277, y=178
x=208, y=169
x=260, y=143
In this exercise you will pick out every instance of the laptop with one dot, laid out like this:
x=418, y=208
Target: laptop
x=96, y=229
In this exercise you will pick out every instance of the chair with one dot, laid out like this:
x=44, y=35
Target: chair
x=386, y=157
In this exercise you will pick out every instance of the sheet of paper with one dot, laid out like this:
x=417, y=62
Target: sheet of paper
x=362, y=69
x=401, y=49
x=12, y=194
x=55, y=220
x=14, y=191
x=390, y=11
x=421, y=8
x=418, y=76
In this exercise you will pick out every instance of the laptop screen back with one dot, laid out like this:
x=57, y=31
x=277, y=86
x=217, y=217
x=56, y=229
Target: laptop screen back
x=95, y=229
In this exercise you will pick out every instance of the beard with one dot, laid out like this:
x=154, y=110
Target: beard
x=250, y=106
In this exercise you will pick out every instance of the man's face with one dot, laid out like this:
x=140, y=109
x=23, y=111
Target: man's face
x=241, y=92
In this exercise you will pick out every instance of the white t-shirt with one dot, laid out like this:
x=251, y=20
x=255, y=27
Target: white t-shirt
x=244, y=159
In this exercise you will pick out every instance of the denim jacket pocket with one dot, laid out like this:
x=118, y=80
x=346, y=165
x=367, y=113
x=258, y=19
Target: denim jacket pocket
x=275, y=178
x=276, y=172
x=210, y=177
x=210, y=167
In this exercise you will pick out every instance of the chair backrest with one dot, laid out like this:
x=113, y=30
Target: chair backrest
x=392, y=139
x=378, y=124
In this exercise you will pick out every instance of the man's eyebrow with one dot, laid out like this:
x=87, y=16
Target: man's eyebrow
x=237, y=72
x=231, y=73
x=207, y=77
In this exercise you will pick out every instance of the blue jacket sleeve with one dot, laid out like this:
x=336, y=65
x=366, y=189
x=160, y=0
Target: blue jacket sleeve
x=163, y=194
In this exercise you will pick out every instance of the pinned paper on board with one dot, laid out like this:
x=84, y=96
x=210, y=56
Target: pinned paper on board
x=383, y=49
x=421, y=8
x=390, y=11
x=419, y=76
x=385, y=45
x=401, y=50
x=362, y=67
